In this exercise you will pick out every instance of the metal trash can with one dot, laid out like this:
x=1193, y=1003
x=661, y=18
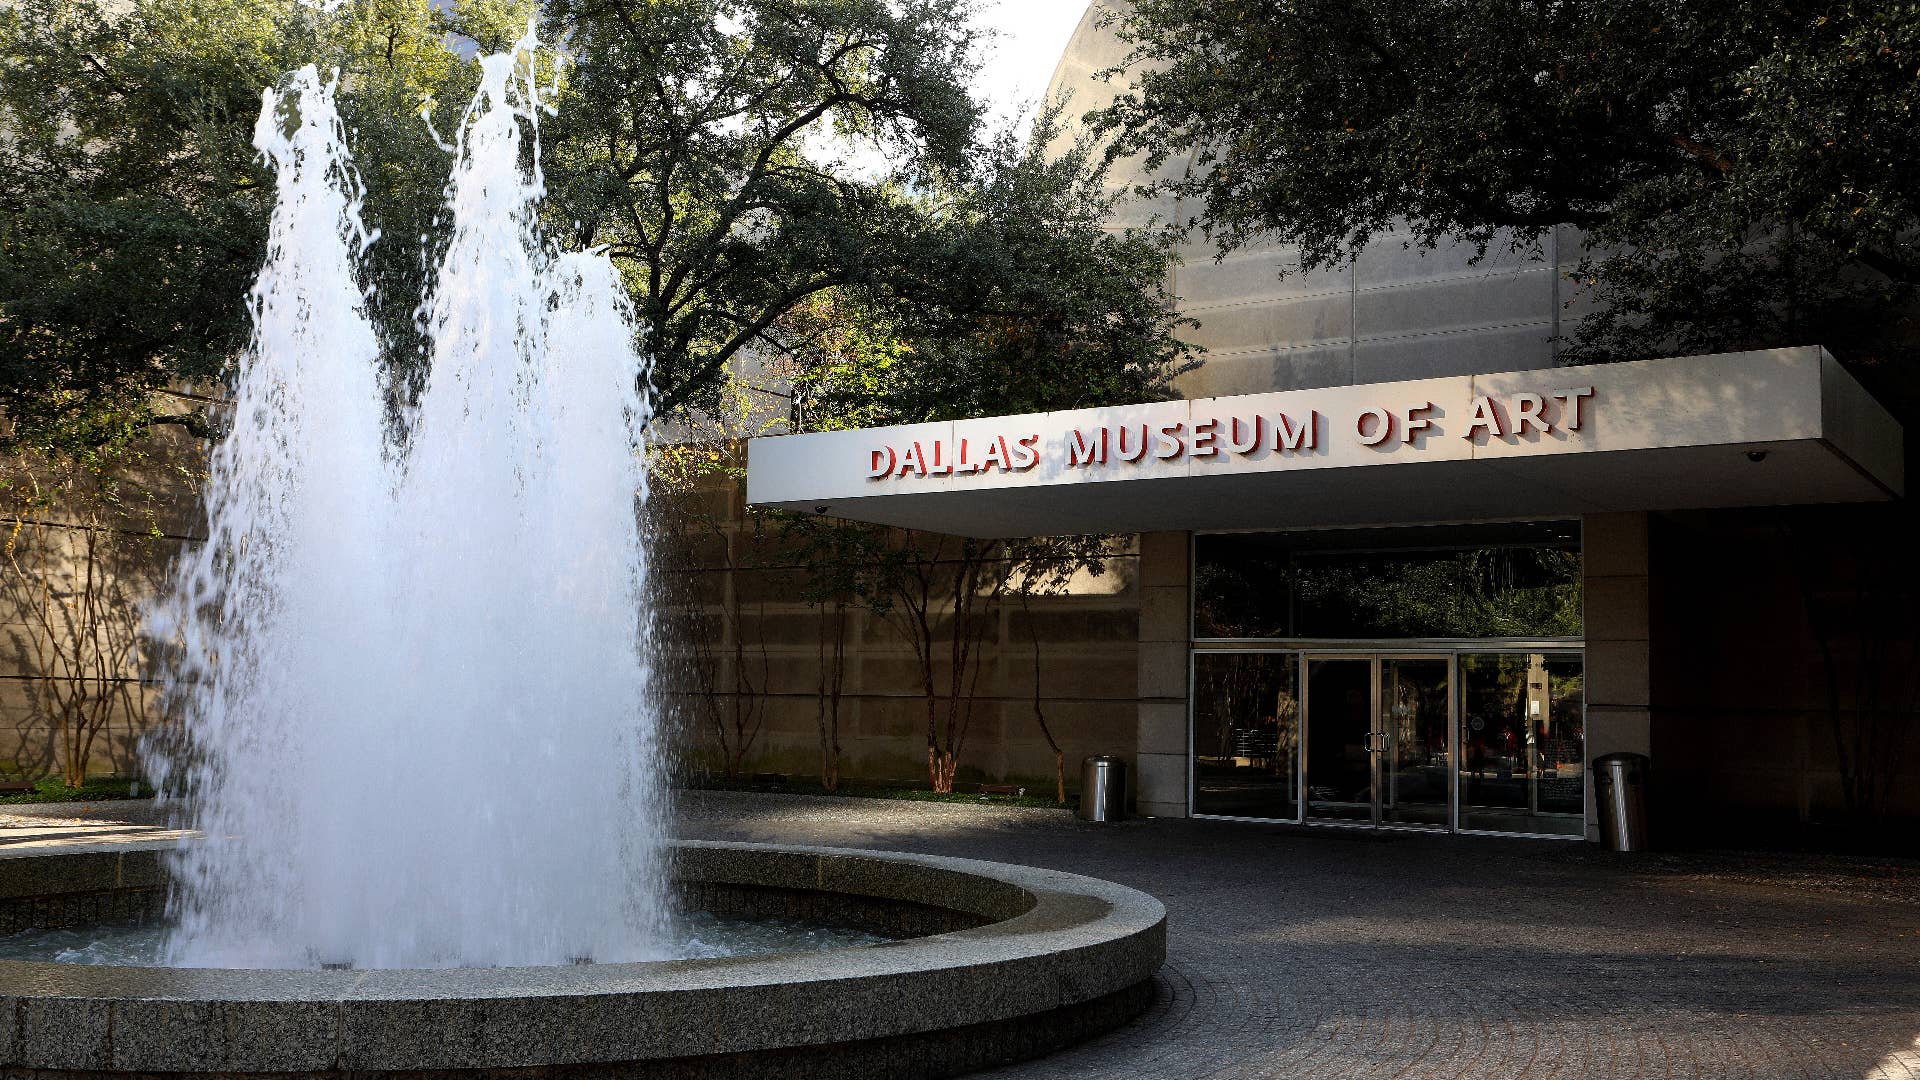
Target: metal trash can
x=1103, y=788
x=1620, y=793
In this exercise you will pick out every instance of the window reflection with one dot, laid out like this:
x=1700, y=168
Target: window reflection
x=1479, y=592
x=1246, y=733
x=1522, y=742
x=1468, y=581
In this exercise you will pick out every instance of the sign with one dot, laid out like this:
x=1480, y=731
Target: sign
x=1773, y=427
x=1243, y=433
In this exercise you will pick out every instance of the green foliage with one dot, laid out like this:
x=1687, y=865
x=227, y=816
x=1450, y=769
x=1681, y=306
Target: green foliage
x=741, y=160
x=1744, y=172
x=52, y=789
x=1019, y=299
x=133, y=209
x=704, y=142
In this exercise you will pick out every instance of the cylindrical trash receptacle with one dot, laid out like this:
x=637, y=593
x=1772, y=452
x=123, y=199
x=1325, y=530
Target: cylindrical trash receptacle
x=1620, y=793
x=1103, y=788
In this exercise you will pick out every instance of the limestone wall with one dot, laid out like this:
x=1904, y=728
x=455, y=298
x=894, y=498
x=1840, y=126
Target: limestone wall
x=748, y=657
x=79, y=558
x=742, y=645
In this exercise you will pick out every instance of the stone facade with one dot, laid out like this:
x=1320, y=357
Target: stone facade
x=78, y=564
x=748, y=653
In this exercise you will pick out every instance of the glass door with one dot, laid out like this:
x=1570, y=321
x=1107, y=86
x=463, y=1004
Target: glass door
x=1416, y=722
x=1342, y=766
x=1379, y=740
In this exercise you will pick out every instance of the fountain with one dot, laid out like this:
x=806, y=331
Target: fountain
x=413, y=667
x=419, y=745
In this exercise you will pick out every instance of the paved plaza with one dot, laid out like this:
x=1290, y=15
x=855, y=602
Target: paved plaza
x=1343, y=954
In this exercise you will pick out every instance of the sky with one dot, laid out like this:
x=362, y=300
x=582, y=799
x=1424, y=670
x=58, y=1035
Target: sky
x=1029, y=36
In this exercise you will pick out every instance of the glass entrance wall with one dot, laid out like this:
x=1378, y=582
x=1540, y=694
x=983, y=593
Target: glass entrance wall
x=1246, y=735
x=1419, y=677
x=1454, y=582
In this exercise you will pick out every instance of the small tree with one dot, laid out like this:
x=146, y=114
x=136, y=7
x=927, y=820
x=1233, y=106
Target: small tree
x=82, y=555
x=1019, y=299
x=721, y=658
x=1047, y=566
x=930, y=587
x=80, y=642
x=837, y=559
x=714, y=669
x=1857, y=587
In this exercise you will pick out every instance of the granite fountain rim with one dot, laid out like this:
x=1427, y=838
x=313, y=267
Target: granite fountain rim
x=1068, y=913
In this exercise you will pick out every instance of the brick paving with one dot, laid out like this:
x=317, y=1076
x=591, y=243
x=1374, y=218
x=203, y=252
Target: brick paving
x=1344, y=954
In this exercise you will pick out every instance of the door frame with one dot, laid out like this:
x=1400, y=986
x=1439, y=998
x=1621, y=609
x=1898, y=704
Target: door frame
x=1376, y=661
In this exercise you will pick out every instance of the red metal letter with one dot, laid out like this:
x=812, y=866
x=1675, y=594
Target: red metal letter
x=1381, y=433
x=1251, y=441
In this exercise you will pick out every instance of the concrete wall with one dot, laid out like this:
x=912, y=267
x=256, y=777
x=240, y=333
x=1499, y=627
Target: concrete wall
x=1166, y=604
x=1398, y=312
x=1617, y=589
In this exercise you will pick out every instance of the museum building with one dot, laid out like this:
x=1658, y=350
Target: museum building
x=1400, y=568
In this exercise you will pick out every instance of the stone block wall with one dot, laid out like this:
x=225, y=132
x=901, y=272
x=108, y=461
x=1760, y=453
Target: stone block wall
x=79, y=561
x=761, y=644
x=1165, y=664
x=1614, y=559
x=749, y=650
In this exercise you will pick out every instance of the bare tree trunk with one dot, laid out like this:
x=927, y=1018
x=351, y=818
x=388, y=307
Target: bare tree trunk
x=82, y=644
x=1039, y=711
x=919, y=600
x=832, y=655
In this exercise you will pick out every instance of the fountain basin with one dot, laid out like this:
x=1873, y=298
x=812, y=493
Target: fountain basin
x=1016, y=961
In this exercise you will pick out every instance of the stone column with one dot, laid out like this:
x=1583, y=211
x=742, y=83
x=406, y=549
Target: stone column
x=1615, y=557
x=1160, y=760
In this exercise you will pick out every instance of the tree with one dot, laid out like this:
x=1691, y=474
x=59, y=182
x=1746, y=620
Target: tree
x=133, y=209
x=837, y=560
x=1019, y=300
x=718, y=647
x=1745, y=173
x=1854, y=583
x=1047, y=566
x=705, y=143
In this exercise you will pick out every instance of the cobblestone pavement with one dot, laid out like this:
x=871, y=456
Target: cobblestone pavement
x=1343, y=954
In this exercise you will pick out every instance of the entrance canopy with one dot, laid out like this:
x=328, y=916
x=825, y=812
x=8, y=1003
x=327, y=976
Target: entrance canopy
x=1775, y=427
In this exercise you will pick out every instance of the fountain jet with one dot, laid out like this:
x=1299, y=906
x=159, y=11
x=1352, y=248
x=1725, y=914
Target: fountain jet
x=411, y=657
